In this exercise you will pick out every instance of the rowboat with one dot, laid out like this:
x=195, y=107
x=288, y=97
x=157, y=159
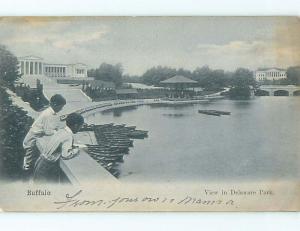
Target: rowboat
x=113, y=143
x=214, y=112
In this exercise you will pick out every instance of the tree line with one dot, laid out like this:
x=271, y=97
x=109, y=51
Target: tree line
x=207, y=77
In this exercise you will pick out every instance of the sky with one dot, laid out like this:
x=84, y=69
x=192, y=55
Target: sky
x=139, y=43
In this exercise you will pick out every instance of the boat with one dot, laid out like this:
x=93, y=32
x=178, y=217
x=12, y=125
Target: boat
x=113, y=141
x=223, y=112
x=138, y=134
x=214, y=112
x=209, y=112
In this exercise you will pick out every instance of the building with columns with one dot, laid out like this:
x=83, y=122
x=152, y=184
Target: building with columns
x=262, y=75
x=35, y=66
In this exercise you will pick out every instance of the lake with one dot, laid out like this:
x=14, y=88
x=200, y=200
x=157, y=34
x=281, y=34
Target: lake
x=258, y=141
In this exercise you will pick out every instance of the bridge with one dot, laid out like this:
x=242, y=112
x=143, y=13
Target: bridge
x=280, y=90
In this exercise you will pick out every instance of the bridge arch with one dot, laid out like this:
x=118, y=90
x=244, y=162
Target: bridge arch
x=296, y=93
x=261, y=92
x=281, y=93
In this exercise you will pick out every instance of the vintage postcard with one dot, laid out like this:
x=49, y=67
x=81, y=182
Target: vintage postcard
x=149, y=114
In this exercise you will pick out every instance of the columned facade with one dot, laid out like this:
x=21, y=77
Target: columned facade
x=262, y=75
x=34, y=66
x=55, y=70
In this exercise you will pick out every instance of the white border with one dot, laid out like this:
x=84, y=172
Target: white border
x=149, y=7
x=150, y=221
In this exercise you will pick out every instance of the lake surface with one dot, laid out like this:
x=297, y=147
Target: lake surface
x=258, y=141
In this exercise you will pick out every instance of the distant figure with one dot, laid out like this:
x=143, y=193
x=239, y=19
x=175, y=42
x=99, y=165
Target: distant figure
x=59, y=146
x=46, y=124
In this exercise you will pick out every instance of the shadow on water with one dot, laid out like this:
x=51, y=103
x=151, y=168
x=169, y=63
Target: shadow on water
x=174, y=115
x=175, y=107
x=241, y=104
x=117, y=112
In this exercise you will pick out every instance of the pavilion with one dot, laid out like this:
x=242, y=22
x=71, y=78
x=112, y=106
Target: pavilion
x=180, y=85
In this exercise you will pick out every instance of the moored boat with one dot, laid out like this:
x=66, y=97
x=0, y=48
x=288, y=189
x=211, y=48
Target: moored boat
x=214, y=112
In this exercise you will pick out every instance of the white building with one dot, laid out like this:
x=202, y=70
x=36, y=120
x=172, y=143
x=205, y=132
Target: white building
x=34, y=66
x=270, y=74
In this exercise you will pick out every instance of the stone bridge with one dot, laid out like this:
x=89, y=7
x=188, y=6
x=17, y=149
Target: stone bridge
x=280, y=90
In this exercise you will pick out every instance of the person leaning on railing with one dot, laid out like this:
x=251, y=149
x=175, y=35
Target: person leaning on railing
x=46, y=124
x=60, y=145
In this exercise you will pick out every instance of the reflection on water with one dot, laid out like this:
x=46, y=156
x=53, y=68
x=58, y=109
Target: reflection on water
x=117, y=112
x=243, y=104
x=259, y=140
x=173, y=114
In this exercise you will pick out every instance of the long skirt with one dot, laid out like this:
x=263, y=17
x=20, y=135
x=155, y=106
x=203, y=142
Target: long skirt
x=46, y=171
x=32, y=153
x=31, y=156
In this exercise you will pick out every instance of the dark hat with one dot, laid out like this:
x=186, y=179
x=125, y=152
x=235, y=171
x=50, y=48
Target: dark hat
x=58, y=99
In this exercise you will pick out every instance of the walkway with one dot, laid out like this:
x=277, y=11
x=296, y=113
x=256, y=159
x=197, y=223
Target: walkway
x=16, y=100
x=108, y=105
x=74, y=96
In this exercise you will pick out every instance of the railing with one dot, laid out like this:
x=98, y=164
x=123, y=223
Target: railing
x=83, y=169
x=125, y=103
x=111, y=105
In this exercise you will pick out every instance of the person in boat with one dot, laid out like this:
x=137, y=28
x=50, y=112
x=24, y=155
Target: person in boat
x=57, y=147
x=46, y=124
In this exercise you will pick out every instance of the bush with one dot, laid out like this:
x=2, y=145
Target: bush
x=14, y=124
x=239, y=93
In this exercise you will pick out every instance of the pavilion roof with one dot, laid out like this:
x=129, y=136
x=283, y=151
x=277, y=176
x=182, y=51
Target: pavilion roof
x=178, y=79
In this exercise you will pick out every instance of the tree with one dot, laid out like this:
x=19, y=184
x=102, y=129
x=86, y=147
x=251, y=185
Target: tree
x=208, y=78
x=199, y=74
x=14, y=124
x=155, y=75
x=243, y=77
x=108, y=72
x=185, y=73
x=8, y=67
x=131, y=79
x=240, y=92
x=293, y=75
x=240, y=83
x=215, y=80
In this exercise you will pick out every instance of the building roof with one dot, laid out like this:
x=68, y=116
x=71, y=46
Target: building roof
x=30, y=57
x=126, y=91
x=178, y=79
x=62, y=64
x=74, y=64
x=271, y=68
x=33, y=57
x=55, y=64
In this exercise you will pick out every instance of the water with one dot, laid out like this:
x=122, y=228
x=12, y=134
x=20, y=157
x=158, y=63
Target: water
x=258, y=141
